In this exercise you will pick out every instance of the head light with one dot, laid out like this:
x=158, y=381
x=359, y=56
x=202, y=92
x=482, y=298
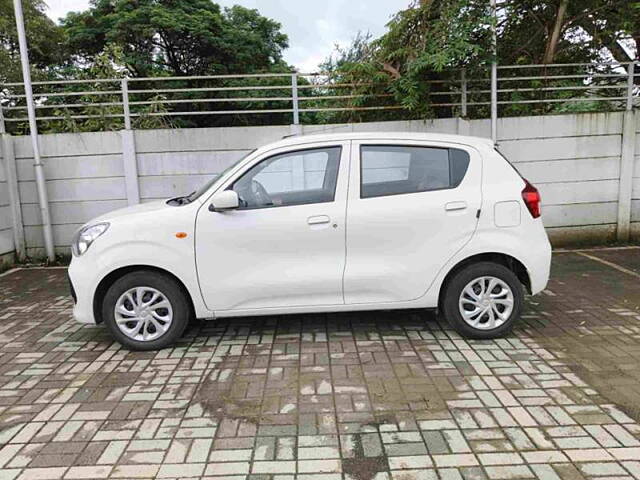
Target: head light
x=86, y=236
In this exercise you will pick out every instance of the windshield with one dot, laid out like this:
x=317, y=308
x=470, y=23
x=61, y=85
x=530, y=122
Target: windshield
x=192, y=196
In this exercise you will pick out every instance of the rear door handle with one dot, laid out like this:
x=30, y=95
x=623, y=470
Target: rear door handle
x=318, y=220
x=451, y=206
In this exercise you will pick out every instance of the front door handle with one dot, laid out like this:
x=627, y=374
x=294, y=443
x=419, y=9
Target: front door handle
x=318, y=220
x=452, y=206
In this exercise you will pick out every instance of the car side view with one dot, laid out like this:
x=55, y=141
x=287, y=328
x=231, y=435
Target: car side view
x=322, y=223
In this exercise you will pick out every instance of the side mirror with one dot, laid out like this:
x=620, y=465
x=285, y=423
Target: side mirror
x=223, y=201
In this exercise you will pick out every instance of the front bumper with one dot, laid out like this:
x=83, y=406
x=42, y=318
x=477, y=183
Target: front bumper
x=72, y=290
x=82, y=283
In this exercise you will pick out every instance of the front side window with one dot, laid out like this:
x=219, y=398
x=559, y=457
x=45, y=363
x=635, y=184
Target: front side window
x=393, y=170
x=294, y=178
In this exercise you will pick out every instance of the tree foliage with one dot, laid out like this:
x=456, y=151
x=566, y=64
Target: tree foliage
x=46, y=41
x=177, y=37
x=409, y=69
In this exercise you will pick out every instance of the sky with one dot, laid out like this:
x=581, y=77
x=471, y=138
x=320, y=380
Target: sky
x=313, y=27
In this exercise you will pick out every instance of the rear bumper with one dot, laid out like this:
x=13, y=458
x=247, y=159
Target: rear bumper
x=538, y=261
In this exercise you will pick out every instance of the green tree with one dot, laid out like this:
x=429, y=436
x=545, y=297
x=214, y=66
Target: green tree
x=432, y=39
x=177, y=37
x=45, y=41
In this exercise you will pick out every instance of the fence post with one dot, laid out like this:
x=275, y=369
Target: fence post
x=129, y=157
x=130, y=164
x=125, y=104
x=10, y=169
x=294, y=98
x=463, y=94
x=494, y=74
x=630, y=85
x=625, y=185
x=3, y=128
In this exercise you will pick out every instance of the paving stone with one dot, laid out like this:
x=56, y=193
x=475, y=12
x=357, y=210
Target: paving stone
x=391, y=395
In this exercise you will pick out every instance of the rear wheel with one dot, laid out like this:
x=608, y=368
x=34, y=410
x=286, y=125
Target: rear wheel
x=146, y=310
x=483, y=300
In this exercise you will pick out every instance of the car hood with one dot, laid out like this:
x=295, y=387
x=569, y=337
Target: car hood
x=133, y=210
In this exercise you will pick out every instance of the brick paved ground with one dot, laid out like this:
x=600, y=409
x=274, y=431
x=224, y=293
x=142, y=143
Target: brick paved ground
x=357, y=396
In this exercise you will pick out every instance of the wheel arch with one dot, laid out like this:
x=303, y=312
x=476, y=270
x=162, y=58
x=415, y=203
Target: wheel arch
x=118, y=273
x=512, y=263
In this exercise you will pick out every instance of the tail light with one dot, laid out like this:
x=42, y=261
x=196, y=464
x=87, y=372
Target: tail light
x=531, y=198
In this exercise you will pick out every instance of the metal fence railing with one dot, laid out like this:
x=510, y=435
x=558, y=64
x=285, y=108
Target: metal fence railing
x=277, y=98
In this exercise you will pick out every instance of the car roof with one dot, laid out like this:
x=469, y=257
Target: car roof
x=419, y=136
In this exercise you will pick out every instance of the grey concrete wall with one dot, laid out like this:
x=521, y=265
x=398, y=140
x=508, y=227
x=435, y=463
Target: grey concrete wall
x=6, y=221
x=573, y=159
x=635, y=195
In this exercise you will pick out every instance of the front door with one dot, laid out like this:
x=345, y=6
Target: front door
x=285, y=245
x=411, y=207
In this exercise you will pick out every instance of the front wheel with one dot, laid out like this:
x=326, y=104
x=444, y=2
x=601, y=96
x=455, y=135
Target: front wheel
x=483, y=300
x=146, y=310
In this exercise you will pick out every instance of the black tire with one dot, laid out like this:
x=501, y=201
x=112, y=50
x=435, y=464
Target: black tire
x=453, y=290
x=169, y=288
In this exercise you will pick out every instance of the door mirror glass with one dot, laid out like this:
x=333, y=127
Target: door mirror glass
x=225, y=200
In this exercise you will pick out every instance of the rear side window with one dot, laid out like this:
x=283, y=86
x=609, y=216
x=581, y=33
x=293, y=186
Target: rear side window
x=394, y=169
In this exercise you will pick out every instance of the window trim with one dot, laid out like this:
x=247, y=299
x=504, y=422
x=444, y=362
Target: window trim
x=289, y=152
x=406, y=145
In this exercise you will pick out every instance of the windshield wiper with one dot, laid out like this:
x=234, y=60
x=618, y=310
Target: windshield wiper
x=181, y=200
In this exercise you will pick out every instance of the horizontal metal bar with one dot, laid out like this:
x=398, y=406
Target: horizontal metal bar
x=66, y=82
x=68, y=94
x=560, y=100
x=66, y=117
x=211, y=77
x=211, y=100
x=250, y=87
x=563, y=77
x=212, y=89
x=554, y=65
x=341, y=97
x=554, y=89
x=69, y=105
x=341, y=109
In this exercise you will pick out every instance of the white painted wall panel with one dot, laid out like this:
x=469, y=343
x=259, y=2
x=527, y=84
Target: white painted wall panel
x=158, y=187
x=548, y=126
x=6, y=241
x=70, y=212
x=187, y=163
x=6, y=218
x=561, y=148
x=635, y=192
x=4, y=193
x=635, y=210
x=6, y=221
x=578, y=192
x=84, y=166
x=62, y=235
x=80, y=189
x=204, y=139
x=579, y=214
x=585, y=169
x=70, y=144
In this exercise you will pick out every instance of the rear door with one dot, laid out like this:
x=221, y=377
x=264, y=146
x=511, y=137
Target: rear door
x=411, y=207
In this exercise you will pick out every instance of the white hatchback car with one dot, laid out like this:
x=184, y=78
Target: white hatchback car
x=323, y=223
